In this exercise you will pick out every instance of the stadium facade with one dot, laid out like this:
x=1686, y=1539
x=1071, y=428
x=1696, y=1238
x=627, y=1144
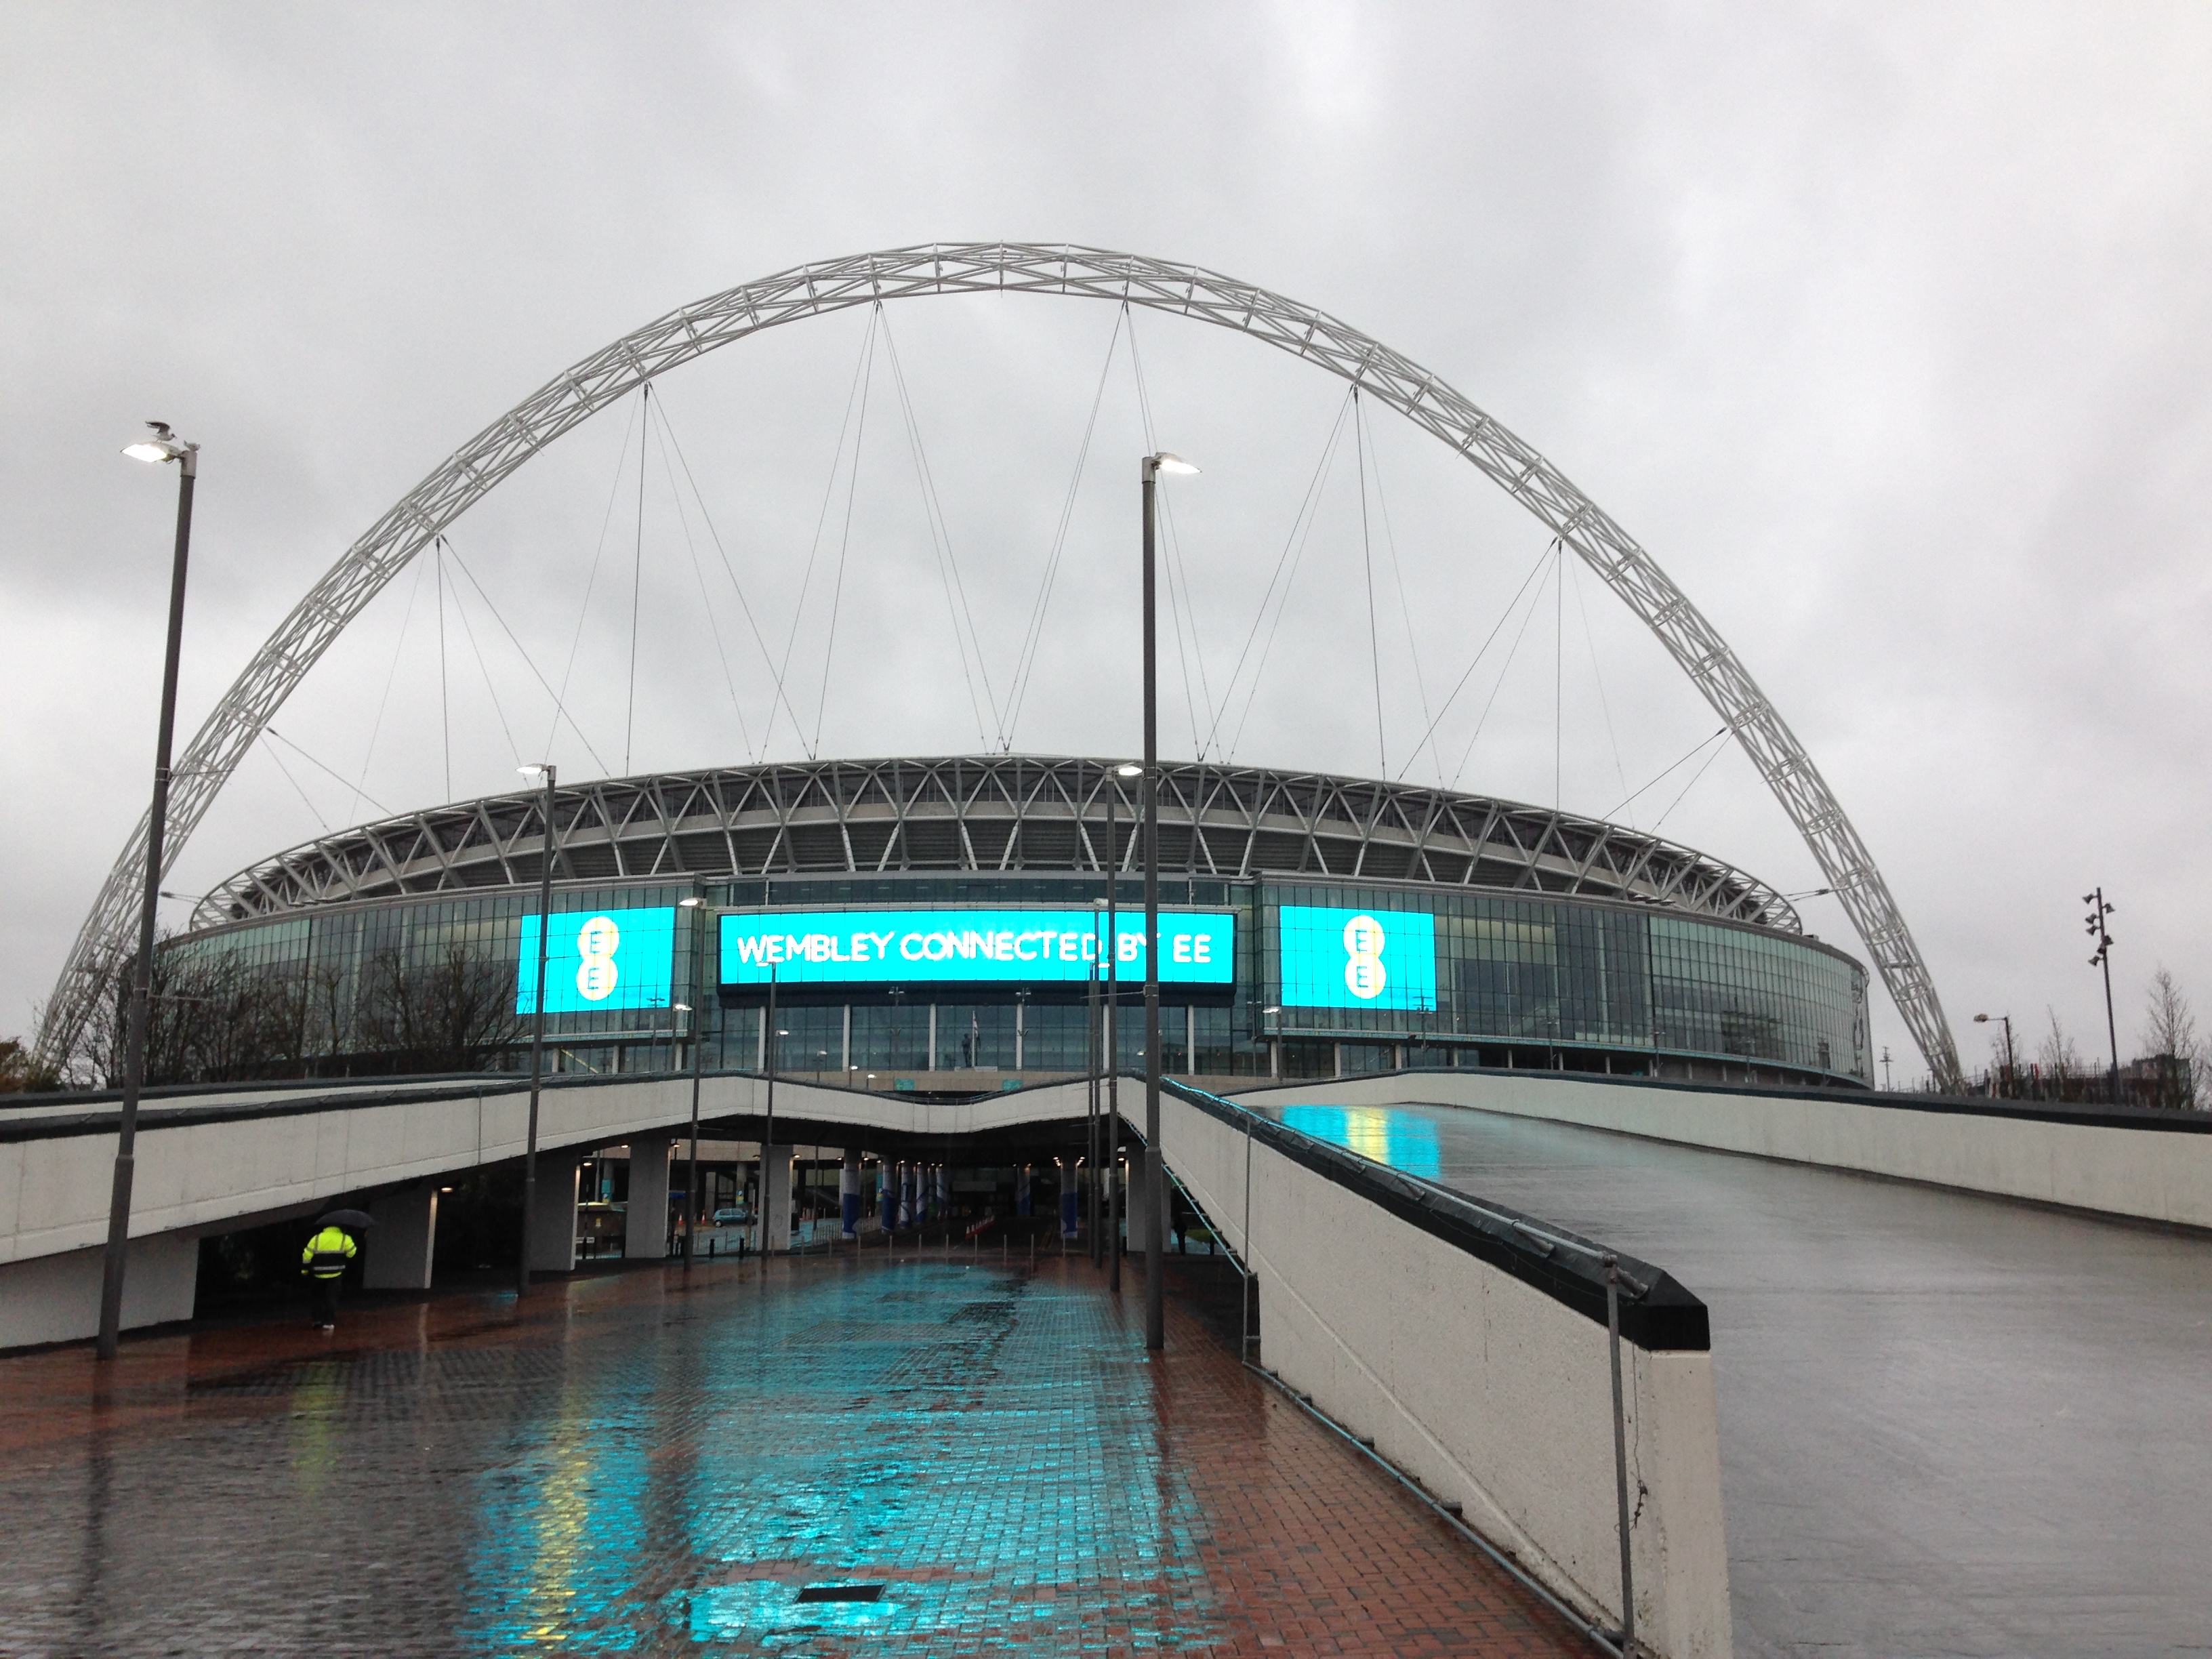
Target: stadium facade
x=936, y=925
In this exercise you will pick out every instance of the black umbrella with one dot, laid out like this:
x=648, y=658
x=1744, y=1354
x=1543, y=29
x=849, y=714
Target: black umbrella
x=346, y=1218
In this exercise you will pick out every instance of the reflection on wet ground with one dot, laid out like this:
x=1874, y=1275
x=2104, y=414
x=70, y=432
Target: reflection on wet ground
x=1949, y=1424
x=940, y=1455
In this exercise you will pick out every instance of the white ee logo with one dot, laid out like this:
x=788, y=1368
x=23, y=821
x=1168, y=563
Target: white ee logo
x=597, y=941
x=1364, y=974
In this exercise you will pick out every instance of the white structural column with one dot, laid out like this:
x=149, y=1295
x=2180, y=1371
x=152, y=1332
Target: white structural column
x=400, y=1249
x=553, y=1218
x=645, y=1232
x=775, y=1197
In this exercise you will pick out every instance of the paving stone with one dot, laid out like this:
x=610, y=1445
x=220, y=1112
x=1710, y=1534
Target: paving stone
x=641, y=1464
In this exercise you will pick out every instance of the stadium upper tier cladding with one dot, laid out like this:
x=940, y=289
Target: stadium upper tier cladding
x=943, y=915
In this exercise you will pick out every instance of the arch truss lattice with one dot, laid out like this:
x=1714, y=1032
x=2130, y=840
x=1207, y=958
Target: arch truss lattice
x=577, y=393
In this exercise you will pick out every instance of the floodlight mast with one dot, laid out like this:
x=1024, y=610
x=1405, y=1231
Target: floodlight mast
x=1067, y=270
x=160, y=445
x=546, y=770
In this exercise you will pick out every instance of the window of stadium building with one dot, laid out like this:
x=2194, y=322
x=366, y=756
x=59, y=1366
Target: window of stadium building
x=1558, y=974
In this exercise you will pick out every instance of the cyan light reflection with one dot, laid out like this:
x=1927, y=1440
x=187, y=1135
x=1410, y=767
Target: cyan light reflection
x=1383, y=1135
x=560, y=1545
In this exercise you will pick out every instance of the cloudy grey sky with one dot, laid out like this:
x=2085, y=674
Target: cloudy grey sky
x=1885, y=328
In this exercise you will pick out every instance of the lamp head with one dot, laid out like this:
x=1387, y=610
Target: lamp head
x=161, y=444
x=691, y=903
x=679, y=1007
x=1166, y=462
x=538, y=769
x=1128, y=770
x=1981, y=1019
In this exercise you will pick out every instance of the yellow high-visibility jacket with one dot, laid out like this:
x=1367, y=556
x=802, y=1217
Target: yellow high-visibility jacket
x=327, y=1253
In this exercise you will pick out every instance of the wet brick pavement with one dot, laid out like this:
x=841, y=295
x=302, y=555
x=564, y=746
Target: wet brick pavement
x=643, y=1466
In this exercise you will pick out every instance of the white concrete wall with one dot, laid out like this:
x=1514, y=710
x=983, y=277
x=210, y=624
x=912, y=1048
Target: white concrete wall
x=55, y=1298
x=2155, y=1175
x=1482, y=1387
x=54, y=1193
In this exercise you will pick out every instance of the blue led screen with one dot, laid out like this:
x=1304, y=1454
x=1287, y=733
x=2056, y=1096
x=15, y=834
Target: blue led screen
x=910, y=947
x=599, y=959
x=1358, y=958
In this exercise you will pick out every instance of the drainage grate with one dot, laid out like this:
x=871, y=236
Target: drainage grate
x=841, y=1593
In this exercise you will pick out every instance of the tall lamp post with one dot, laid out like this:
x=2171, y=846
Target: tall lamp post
x=697, y=905
x=1112, y=1028
x=768, y=1035
x=2012, y=1071
x=1155, y=1168
x=546, y=770
x=159, y=444
x=2098, y=911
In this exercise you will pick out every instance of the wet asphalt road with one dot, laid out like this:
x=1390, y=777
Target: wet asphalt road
x=1949, y=1424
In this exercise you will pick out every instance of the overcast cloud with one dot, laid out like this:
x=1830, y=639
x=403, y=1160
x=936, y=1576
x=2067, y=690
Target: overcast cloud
x=1887, y=329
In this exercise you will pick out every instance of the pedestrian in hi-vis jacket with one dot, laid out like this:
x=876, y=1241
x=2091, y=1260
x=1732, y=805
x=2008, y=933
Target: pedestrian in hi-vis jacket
x=325, y=1261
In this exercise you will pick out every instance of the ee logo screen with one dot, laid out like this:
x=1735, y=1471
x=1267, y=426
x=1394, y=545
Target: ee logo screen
x=1358, y=958
x=599, y=959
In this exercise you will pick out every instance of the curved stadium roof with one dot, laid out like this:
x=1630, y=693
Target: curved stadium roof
x=996, y=813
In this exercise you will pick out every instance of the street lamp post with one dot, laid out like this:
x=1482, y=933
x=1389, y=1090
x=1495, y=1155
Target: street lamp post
x=159, y=444
x=768, y=1056
x=546, y=770
x=1155, y=1167
x=698, y=1061
x=2012, y=1069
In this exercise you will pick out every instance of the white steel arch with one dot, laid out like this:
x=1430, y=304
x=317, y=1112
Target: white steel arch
x=812, y=290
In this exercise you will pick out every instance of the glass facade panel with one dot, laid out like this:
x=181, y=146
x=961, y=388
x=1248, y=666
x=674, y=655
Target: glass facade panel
x=1482, y=977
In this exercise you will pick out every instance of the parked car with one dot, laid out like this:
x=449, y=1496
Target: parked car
x=738, y=1217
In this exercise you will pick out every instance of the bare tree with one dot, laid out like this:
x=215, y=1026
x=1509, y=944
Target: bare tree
x=450, y=1014
x=2057, y=1055
x=21, y=1073
x=2170, y=1040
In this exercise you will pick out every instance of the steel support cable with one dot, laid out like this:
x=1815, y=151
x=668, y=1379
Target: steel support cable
x=1559, y=673
x=445, y=699
x=1718, y=750
x=1174, y=562
x=1300, y=540
x=637, y=569
x=940, y=540
x=1428, y=738
x=1597, y=673
x=813, y=745
x=1398, y=576
x=376, y=726
x=1033, y=636
x=856, y=397
x=699, y=575
x=1697, y=749
x=590, y=582
x=269, y=749
x=338, y=778
x=1367, y=575
x=491, y=690
x=752, y=622
x=1059, y=270
x=1498, y=685
x=560, y=709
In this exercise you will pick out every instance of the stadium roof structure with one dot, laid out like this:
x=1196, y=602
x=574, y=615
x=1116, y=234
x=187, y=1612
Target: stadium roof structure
x=995, y=814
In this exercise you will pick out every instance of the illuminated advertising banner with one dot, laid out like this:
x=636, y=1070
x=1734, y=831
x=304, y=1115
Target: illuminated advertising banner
x=1358, y=959
x=599, y=959
x=914, y=947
